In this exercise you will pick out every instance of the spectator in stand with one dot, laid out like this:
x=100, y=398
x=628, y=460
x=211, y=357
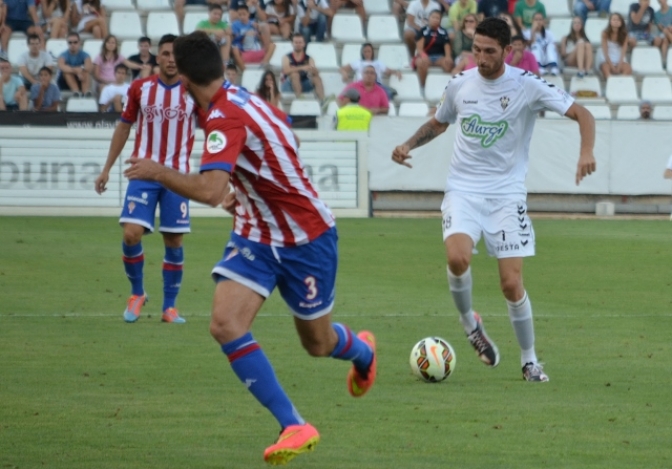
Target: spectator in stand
x=218, y=30
x=104, y=65
x=433, y=49
x=357, y=5
x=458, y=11
x=399, y=8
x=313, y=16
x=31, y=62
x=417, y=16
x=464, y=38
x=516, y=30
x=46, y=96
x=12, y=92
x=256, y=9
x=280, y=16
x=525, y=11
x=372, y=95
x=268, y=88
x=89, y=16
x=521, y=57
x=231, y=73
x=18, y=16
x=663, y=20
x=491, y=8
x=467, y=62
x=368, y=58
x=582, y=7
x=299, y=73
x=351, y=116
x=614, y=45
x=113, y=96
x=645, y=110
x=76, y=68
x=144, y=58
x=543, y=46
x=250, y=44
x=56, y=15
x=640, y=21
x=180, y=4
x=575, y=48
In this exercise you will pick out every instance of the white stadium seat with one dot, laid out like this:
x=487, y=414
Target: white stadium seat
x=599, y=111
x=56, y=47
x=594, y=28
x=191, y=19
x=347, y=28
x=435, y=86
x=658, y=90
x=376, y=7
x=305, y=107
x=627, y=112
x=662, y=113
x=350, y=53
x=383, y=28
x=621, y=90
x=413, y=110
x=129, y=47
x=160, y=23
x=16, y=47
x=251, y=78
x=394, y=56
x=281, y=49
x=332, y=109
x=589, y=83
x=324, y=55
x=408, y=87
x=555, y=80
x=556, y=8
x=669, y=61
x=560, y=27
x=392, y=111
x=82, y=105
x=647, y=61
x=332, y=82
x=126, y=25
x=112, y=5
x=92, y=47
x=149, y=5
x=621, y=6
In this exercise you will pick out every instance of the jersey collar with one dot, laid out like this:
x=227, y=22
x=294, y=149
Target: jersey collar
x=220, y=94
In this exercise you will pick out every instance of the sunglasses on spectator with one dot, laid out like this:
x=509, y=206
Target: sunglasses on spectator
x=73, y=42
x=469, y=21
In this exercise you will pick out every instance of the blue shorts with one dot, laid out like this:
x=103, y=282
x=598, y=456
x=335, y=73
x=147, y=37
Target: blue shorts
x=305, y=275
x=306, y=86
x=19, y=25
x=140, y=207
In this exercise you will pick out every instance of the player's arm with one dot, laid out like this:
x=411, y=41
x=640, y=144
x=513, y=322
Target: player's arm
x=119, y=138
x=425, y=134
x=586, y=122
x=668, y=173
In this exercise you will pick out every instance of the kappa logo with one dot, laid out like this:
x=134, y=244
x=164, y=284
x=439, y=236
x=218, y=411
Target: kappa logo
x=487, y=132
x=216, y=114
x=249, y=382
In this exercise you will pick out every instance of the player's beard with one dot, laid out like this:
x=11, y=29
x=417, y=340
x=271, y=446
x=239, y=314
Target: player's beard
x=492, y=69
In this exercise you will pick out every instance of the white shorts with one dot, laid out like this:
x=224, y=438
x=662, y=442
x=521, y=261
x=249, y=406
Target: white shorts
x=504, y=223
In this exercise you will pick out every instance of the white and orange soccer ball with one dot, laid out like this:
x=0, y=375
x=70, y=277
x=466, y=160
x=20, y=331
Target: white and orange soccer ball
x=432, y=359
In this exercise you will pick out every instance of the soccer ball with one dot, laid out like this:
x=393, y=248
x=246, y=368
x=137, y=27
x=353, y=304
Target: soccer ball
x=432, y=359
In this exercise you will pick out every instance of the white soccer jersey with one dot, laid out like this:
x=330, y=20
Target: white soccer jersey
x=496, y=119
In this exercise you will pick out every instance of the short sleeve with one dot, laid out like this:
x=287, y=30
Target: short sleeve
x=544, y=95
x=22, y=60
x=130, y=114
x=224, y=141
x=446, y=112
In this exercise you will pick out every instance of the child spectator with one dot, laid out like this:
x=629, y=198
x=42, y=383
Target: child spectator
x=433, y=49
x=575, y=48
x=417, y=16
x=299, y=73
x=640, y=21
x=248, y=44
x=46, y=96
x=313, y=16
x=144, y=58
x=525, y=11
x=104, y=65
x=31, y=62
x=256, y=8
x=520, y=57
x=368, y=58
x=614, y=45
x=231, y=73
x=218, y=30
x=280, y=17
x=12, y=92
x=76, y=68
x=268, y=88
x=543, y=46
x=56, y=16
x=372, y=95
x=582, y=7
x=18, y=16
x=89, y=15
x=113, y=96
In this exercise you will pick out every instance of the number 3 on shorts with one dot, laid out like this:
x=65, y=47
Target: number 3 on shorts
x=312, y=287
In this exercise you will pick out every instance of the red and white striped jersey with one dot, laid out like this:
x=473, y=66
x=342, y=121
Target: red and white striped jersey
x=166, y=122
x=276, y=203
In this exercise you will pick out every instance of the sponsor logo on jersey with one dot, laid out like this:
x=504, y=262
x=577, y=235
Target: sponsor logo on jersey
x=133, y=198
x=158, y=114
x=216, y=142
x=504, y=101
x=487, y=132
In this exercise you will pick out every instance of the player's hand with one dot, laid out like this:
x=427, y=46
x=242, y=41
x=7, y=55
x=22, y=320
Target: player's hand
x=400, y=155
x=142, y=168
x=101, y=182
x=229, y=202
x=585, y=167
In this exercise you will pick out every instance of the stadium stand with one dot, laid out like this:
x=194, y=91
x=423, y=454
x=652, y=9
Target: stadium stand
x=657, y=89
x=347, y=28
x=647, y=61
x=627, y=113
x=160, y=23
x=662, y=113
x=376, y=7
x=82, y=105
x=621, y=90
x=407, y=88
x=324, y=55
x=435, y=85
x=407, y=109
x=126, y=25
x=305, y=107
x=383, y=28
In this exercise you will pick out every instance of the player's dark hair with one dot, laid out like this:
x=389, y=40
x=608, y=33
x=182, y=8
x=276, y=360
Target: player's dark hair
x=496, y=29
x=48, y=70
x=167, y=39
x=214, y=6
x=197, y=57
x=145, y=39
x=32, y=37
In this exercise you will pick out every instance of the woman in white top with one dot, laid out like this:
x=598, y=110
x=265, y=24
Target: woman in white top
x=575, y=48
x=89, y=15
x=542, y=44
x=280, y=16
x=368, y=60
x=611, y=56
x=56, y=16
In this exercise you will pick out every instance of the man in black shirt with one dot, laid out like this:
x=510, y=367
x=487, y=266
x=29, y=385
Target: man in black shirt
x=433, y=48
x=492, y=8
x=144, y=58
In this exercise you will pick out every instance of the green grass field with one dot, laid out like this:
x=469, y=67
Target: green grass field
x=79, y=388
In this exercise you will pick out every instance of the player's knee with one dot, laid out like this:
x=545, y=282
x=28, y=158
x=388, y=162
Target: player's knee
x=133, y=235
x=458, y=264
x=512, y=287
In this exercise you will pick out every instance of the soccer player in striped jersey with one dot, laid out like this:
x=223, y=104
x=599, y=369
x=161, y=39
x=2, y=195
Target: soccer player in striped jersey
x=283, y=235
x=166, y=122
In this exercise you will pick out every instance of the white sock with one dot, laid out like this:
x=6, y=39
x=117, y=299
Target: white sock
x=520, y=313
x=460, y=288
